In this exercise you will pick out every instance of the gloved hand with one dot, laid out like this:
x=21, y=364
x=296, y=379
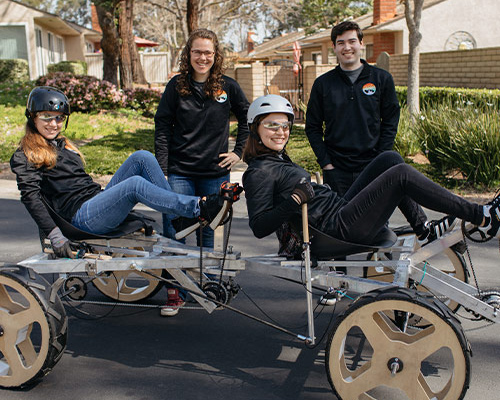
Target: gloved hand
x=303, y=191
x=60, y=244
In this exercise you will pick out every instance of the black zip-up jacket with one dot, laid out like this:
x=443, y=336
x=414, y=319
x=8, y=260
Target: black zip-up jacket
x=269, y=181
x=191, y=131
x=66, y=186
x=361, y=119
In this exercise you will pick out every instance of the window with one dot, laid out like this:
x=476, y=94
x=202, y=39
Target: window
x=59, y=49
x=52, y=56
x=369, y=51
x=13, y=42
x=317, y=58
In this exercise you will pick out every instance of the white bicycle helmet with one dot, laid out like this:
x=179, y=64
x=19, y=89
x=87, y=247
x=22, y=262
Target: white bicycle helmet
x=270, y=103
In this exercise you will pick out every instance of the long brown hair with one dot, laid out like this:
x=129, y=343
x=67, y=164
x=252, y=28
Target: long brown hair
x=213, y=85
x=40, y=152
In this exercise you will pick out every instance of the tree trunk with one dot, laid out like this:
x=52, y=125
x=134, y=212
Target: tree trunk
x=413, y=14
x=192, y=14
x=109, y=42
x=125, y=33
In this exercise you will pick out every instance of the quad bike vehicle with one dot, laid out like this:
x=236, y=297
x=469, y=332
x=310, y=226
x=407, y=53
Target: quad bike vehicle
x=381, y=347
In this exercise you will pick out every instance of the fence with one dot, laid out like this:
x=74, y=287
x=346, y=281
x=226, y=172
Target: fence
x=478, y=68
x=156, y=66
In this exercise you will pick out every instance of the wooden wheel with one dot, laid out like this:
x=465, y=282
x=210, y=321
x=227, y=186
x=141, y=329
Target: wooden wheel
x=450, y=262
x=372, y=355
x=128, y=286
x=33, y=327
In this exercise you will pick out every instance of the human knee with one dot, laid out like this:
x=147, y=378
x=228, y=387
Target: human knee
x=392, y=157
x=142, y=155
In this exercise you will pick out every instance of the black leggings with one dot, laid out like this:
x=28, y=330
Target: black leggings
x=381, y=188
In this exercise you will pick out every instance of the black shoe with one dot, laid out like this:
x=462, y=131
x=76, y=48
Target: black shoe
x=213, y=209
x=492, y=217
x=436, y=229
x=184, y=226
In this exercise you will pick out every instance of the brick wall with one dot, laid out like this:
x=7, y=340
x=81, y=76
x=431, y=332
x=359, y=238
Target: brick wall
x=478, y=68
x=382, y=42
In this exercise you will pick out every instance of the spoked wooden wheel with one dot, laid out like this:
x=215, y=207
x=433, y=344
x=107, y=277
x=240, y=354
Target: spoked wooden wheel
x=373, y=355
x=128, y=286
x=33, y=327
x=450, y=261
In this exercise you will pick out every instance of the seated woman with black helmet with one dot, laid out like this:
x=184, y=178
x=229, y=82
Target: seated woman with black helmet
x=49, y=166
x=275, y=189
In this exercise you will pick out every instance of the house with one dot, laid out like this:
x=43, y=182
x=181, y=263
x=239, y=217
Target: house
x=42, y=38
x=445, y=25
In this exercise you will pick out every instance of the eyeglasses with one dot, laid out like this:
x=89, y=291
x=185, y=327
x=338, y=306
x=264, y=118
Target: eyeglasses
x=49, y=118
x=275, y=126
x=206, y=53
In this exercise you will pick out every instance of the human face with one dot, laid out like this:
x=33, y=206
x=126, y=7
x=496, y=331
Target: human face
x=48, y=125
x=274, y=137
x=202, y=58
x=347, y=48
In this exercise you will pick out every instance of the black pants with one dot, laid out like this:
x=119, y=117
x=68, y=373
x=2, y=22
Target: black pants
x=386, y=184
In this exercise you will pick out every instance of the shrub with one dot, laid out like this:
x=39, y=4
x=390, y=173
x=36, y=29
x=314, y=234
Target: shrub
x=75, y=67
x=14, y=71
x=407, y=142
x=142, y=99
x=434, y=96
x=85, y=93
x=465, y=139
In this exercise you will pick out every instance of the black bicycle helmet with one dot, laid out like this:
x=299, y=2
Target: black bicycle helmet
x=46, y=98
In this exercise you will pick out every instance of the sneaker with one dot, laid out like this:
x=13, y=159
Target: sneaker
x=174, y=302
x=492, y=217
x=214, y=209
x=328, y=299
x=435, y=229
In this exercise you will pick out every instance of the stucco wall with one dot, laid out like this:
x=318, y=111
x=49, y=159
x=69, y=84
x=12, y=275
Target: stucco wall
x=477, y=17
x=479, y=68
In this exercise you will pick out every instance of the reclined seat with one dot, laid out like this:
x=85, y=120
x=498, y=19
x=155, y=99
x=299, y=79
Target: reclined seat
x=326, y=247
x=135, y=221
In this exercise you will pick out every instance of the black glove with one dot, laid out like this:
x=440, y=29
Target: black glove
x=303, y=191
x=60, y=244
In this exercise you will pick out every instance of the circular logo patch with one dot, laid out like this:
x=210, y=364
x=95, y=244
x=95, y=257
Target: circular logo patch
x=222, y=97
x=369, y=89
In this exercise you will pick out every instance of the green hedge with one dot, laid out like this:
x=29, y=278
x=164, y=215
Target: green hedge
x=14, y=71
x=74, y=67
x=433, y=96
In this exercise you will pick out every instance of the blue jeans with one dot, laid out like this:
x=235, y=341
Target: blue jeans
x=138, y=180
x=195, y=187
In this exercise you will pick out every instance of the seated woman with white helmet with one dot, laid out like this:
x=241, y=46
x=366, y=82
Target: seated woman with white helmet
x=275, y=188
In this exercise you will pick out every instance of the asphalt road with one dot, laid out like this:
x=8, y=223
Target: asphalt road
x=133, y=353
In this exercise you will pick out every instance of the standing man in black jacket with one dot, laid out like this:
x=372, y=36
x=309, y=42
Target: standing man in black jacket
x=353, y=112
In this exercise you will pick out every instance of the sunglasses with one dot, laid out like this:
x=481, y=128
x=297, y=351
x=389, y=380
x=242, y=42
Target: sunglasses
x=275, y=126
x=49, y=118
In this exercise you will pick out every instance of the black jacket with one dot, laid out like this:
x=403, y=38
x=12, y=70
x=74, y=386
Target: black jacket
x=361, y=119
x=269, y=181
x=66, y=186
x=191, y=131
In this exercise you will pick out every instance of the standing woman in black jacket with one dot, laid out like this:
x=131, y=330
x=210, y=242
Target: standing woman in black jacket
x=49, y=167
x=192, y=123
x=275, y=188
